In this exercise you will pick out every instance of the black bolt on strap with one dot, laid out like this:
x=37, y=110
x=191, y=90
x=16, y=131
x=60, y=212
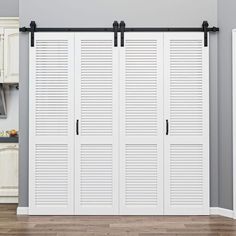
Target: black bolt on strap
x=115, y=29
x=215, y=29
x=205, y=30
x=32, y=30
x=23, y=29
x=122, y=35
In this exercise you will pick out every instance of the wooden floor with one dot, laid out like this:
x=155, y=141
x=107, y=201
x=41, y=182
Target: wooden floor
x=10, y=224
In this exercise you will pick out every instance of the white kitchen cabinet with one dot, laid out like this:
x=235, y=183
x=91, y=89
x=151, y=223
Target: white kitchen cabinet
x=8, y=172
x=1, y=55
x=9, y=50
x=11, y=55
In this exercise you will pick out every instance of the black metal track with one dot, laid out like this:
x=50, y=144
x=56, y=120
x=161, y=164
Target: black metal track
x=136, y=29
x=121, y=28
x=213, y=29
x=24, y=29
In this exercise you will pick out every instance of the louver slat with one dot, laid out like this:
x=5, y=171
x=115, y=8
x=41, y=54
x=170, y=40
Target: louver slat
x=187, y=109
x=96, y=107
x=141, y=119
x=51, y=124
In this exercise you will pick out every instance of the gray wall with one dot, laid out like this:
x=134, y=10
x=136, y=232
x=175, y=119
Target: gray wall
x=227, y=22
x=9, y=8
x=92, y=13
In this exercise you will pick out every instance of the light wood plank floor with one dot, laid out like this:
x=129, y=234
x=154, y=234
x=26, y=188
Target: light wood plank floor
x=10, y=224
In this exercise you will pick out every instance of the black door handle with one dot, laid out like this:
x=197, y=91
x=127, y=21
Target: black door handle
x=167, y=127
x=77, y=127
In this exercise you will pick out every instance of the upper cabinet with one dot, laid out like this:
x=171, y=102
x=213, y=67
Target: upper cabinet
x=1, y=55
x=9, y=50
x=11, y=55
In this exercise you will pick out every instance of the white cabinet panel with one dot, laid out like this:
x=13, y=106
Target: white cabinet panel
x=141, y=129
x=1, y=55
x=96, y=105
x=186, y=103
x=11, y=55
x=8, y=170
x=51, y=125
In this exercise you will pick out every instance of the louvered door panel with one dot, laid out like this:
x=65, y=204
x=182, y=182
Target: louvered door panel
x=51, y=174
x=97, y=111
x=141, y=180
x=187, y=110
x=141, y=129
x=96, y=175
x=51, y=126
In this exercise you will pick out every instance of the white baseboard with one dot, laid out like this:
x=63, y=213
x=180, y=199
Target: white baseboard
x=222, y=212
x=213, y=211
x=22, y=211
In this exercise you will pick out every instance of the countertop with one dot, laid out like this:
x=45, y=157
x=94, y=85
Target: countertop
x=9, y=139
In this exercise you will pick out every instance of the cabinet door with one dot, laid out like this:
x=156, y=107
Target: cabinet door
x=1, y=55
x=186, y=103
x=141, y=124
x=8, y=170
x=11, y=55
x=51, y=124
x=96, y=105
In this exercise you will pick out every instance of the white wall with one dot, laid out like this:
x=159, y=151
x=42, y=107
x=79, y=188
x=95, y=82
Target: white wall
x=12, y=103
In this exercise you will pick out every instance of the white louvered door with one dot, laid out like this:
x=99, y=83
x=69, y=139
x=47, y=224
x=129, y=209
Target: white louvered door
x=121, y=161
x=51, y=125
x=96, y=179
x=141, y=124
x=186, y=105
